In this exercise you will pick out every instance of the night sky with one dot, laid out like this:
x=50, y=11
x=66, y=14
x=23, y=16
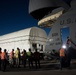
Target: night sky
x=14, y=16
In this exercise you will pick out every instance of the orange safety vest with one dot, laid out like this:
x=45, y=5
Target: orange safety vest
x=62, y=52
x=3, y=55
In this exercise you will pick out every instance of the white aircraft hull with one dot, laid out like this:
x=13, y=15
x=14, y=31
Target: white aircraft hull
x=67, y=19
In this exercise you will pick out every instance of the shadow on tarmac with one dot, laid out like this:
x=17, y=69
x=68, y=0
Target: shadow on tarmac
x=45, y=66
x=53, y=66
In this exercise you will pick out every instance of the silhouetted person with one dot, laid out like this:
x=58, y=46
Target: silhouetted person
x=24, y=58
x=4, y=60
x=37, y=58
x=69, y=48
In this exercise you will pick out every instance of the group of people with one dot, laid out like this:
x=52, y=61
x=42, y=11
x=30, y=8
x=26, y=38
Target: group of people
x=17, y=58
x=65, y=54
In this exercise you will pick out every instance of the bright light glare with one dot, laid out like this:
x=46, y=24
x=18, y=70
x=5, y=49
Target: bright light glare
x=64, y=46
x=50, y=40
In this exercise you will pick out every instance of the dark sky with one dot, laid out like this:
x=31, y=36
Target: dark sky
x=14, y=16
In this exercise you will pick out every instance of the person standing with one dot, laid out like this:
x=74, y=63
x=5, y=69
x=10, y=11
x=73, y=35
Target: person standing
x=37, y=58
x=30, y=58
x=62, y=58
x=0, y=57
x=12, y=58
x=4, y=60
x=17, y=56
x=24, y=57
x=69, y=48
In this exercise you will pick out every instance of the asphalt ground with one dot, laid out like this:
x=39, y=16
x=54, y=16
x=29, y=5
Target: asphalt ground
x=47, y=68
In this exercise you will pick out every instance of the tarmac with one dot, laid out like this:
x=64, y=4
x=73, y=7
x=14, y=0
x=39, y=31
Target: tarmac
x=47, y=68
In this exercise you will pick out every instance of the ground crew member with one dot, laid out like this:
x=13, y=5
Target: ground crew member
x=17, y=56
x=30, y=58
x=0, y=57
x=4, y=60
x=62, y=56
x=12, y=58
x=37, y=58
x=24, y=58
